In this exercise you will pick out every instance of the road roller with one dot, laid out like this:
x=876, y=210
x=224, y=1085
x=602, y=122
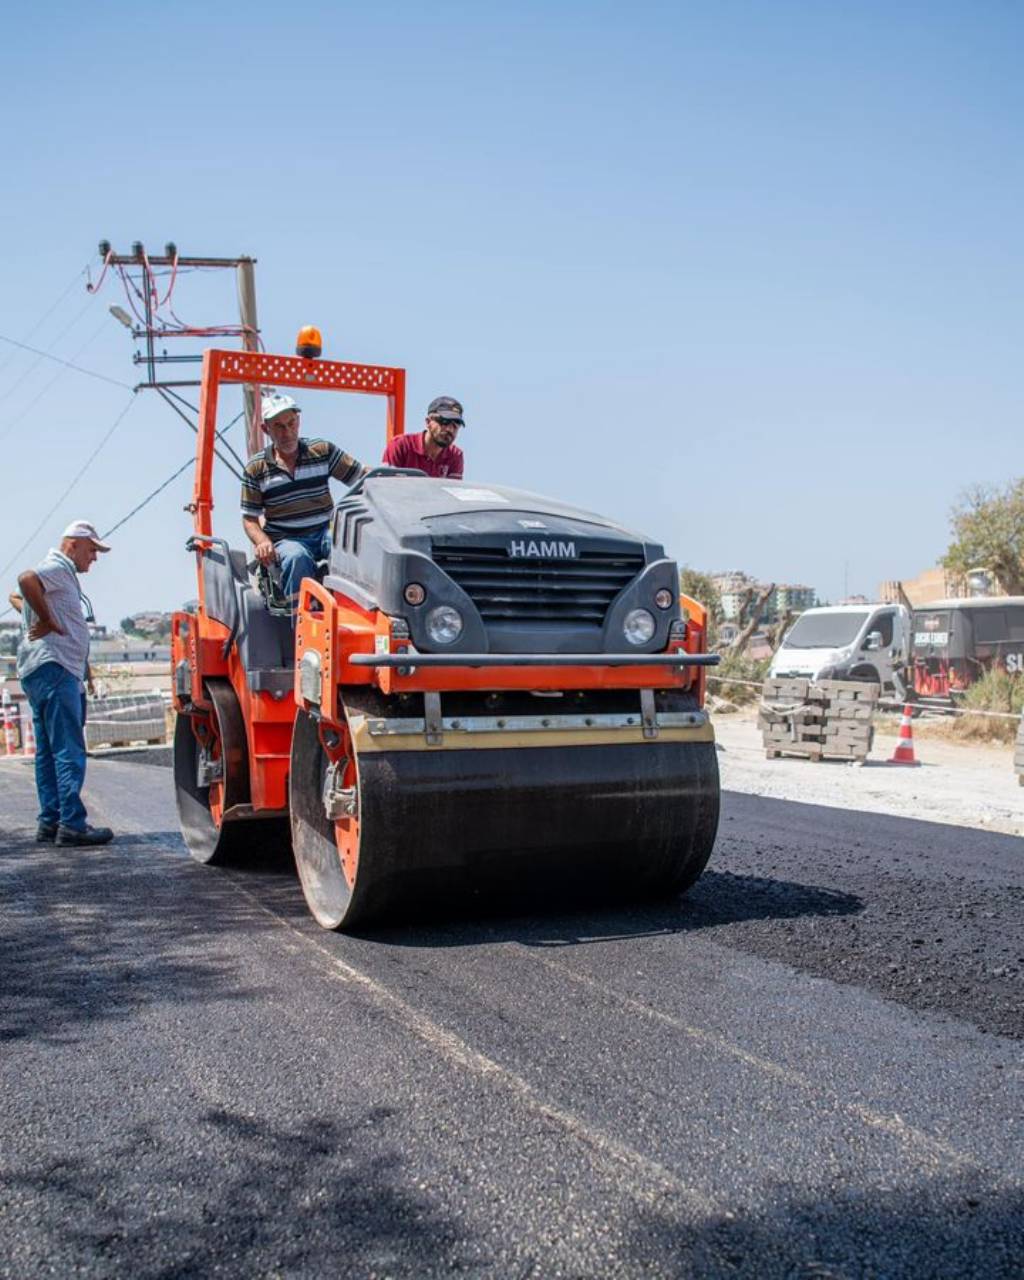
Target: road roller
x=484, y=692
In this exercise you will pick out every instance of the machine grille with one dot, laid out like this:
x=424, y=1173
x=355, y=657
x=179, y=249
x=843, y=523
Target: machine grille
x=540, y=590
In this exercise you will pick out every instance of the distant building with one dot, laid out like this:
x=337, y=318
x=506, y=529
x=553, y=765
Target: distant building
x=736, y=588
x=151, y=622
x=788, y=598
x=933, y=584
x=727, y=634
x=732, y=586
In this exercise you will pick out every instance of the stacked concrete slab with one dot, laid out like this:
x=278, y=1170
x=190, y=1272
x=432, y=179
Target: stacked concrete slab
x=120, y=720
x=830, y=720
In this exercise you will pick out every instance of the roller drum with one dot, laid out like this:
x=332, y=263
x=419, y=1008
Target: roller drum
x=437, y=825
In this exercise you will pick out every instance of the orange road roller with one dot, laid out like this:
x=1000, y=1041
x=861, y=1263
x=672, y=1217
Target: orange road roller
x=487, y=691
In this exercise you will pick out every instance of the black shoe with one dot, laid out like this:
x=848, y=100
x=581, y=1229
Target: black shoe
x=91, y=835
x=45, y=833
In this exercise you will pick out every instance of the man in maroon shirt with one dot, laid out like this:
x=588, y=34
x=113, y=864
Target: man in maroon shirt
x=432, y=450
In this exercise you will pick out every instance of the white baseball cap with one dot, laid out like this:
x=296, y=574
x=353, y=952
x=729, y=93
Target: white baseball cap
x=83, y=529
x=274, y=402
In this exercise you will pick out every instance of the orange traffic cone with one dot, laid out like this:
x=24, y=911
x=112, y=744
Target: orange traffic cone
x=28, y=733
x=10, y=726
x=904, y=753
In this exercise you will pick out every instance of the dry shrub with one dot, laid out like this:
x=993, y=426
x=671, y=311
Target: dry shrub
x=996, y=691
x=734, y=667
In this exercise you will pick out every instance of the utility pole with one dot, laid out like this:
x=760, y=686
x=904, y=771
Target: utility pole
x=152, y=320
x=250, y=341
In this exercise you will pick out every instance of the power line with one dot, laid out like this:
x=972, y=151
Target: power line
x=18, y=417
x=46, y=314
x=82, y=470
x=190, y=461
x=145, y=501
x=77, y=367
x=166, y=392
x=26, y=373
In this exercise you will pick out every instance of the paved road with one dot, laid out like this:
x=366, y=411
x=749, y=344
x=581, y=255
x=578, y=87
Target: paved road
x=810, y=1067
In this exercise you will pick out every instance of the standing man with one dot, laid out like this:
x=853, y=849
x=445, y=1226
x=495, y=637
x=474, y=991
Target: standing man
x=432, y=450
x=53, y=658
x=286, y=494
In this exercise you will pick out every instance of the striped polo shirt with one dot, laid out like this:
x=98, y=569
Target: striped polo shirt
x=299, y=504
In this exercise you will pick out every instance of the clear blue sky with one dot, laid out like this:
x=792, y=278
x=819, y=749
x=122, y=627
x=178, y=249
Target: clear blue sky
x=746, y=276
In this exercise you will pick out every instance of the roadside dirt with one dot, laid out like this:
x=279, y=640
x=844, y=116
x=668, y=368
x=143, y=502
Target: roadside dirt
x=965, y=784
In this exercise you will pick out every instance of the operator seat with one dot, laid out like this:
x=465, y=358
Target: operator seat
x=265, y=641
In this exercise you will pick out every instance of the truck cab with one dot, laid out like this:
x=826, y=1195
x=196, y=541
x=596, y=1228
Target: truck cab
x=869, y=642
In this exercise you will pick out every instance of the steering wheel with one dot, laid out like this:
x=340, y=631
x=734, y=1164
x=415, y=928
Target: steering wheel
x=382, y=471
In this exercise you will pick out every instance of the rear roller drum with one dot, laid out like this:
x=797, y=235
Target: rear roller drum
x=211, y=779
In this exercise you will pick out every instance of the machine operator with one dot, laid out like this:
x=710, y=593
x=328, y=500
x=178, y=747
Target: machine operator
x=286, y=495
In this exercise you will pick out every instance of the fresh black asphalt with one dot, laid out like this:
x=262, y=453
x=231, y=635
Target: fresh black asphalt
x=812, y=1066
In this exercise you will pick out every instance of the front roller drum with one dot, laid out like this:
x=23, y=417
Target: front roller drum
x=408, y=828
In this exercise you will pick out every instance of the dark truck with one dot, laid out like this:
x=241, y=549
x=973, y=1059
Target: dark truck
x=954, y=642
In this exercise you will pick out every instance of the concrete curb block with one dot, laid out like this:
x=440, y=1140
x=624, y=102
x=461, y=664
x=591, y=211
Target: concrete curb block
x=161, y=756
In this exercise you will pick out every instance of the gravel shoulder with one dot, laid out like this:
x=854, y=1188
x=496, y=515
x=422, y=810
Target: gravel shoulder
x=964, y=784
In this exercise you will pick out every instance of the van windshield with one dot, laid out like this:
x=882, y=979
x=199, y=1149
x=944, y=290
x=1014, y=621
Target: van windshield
x=824, y=630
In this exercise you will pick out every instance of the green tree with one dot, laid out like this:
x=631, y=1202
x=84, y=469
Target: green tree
x=129, y=628
x=699, y=586
x=988, y=533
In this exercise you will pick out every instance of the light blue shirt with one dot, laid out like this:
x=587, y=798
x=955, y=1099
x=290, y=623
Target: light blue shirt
x=64, y=597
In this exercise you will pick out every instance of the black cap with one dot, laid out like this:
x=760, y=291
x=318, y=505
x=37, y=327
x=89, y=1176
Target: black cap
x=445, y=408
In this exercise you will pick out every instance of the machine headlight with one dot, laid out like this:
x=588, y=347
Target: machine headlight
x=414, y=593
x=639, y=626
x=444, y=624
x=664, y=598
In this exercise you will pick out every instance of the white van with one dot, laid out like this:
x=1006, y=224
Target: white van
x=848, y=642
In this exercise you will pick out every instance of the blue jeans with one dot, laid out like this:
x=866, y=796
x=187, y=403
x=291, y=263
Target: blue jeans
x=55, y=697
x=298, y=557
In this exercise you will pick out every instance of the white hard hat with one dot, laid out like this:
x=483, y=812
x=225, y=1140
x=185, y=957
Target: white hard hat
x=274, y=402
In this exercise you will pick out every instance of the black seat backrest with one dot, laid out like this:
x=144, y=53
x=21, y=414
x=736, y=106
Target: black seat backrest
x=220, y=583
x=265, y=641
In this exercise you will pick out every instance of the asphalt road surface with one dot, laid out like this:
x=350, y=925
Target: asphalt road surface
x=810, y=1067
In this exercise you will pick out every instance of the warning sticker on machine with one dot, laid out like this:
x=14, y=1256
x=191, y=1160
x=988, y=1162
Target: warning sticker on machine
x=474, y=495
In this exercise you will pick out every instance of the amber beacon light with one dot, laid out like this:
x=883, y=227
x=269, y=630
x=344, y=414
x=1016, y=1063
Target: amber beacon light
x=309, y=342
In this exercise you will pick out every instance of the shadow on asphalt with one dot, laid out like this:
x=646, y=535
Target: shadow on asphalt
x=93, y=934
x=946, y=1227
x=326, y=1197
x=243, y=1197
x=718, y=898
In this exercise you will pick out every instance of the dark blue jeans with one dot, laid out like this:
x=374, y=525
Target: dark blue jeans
x=55, y=697
x=298, y=557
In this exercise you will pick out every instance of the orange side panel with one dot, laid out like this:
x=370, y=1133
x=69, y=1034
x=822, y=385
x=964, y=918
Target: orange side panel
x=694, y=610
x=268, y=725
x=182, y=650
x=696, y=640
